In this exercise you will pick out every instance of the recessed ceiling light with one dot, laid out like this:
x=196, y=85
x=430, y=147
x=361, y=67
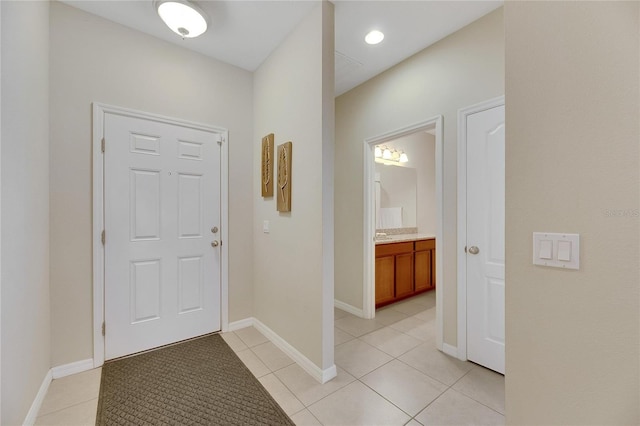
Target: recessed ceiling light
x=184, y=18
x=374, y=37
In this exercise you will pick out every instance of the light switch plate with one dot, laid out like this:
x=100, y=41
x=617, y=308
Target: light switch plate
x=265, y=226
x=556, y=250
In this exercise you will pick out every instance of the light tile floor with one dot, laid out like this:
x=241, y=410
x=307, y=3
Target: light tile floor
x=389, y=373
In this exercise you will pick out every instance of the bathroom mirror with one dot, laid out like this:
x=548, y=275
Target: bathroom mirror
x=396, y=195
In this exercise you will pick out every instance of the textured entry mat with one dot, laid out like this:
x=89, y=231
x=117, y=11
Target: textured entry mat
x=198, y=382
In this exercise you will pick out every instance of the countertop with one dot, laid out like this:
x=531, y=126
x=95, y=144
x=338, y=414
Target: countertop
x=400, y=238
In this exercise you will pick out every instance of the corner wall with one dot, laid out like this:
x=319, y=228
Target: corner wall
x=293, y=98
x=572, y=165
x=116, y=65
x=463, y=69
x=25, y=311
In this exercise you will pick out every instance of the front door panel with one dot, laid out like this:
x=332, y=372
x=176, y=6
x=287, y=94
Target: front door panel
x=162, y=197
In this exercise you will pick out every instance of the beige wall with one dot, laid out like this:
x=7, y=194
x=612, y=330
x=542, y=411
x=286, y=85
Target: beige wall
x=572, y=98
x=463, y=69
x=25, y=206
x=93, y=59
x=293, y=99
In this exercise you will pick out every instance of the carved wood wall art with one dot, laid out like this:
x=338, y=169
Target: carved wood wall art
x=284, y=177
x=267, y=165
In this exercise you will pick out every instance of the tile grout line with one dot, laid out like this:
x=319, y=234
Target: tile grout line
x=460, y=392
x=67, y=407
x=469, y=396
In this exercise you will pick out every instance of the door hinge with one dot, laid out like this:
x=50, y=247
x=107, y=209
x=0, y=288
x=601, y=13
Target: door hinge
x=102, y=145
x=104, y=327
x=103, y=237
x=221, y=140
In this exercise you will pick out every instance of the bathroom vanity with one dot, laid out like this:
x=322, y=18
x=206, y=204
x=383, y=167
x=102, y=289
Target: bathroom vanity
x=405, y=266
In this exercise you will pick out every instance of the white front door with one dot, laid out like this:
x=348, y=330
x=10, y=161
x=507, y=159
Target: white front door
x=162, y=206
x=485, y=237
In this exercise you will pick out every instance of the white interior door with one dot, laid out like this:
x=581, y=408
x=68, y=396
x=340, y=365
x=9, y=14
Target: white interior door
x=162, y=206
x=485, y=237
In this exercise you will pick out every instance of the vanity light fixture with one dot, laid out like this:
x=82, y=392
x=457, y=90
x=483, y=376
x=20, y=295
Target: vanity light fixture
x=386, y=155
x=182, y=17
x=374, y=37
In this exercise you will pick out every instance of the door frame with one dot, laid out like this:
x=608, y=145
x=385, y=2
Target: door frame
x=368, y=287
x=99, y=111
x=462, y=216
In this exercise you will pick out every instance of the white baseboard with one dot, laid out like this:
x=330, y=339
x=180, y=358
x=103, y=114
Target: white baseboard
x=32, y=415
x=305, y=363
x=237, y=325
x=450, y=350
x=348, y=308
x=72, y=368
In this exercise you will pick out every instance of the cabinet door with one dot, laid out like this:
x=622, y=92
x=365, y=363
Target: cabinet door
x=404, y=274
x=385, y=274
x=423, y=268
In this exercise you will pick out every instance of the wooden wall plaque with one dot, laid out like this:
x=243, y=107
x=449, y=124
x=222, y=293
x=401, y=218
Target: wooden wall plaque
x=284, y=177
x=267, y=165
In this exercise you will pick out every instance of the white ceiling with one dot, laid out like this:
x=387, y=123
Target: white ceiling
x=244, y=33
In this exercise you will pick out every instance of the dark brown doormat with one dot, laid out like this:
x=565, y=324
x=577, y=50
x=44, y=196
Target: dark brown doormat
x=198, y=382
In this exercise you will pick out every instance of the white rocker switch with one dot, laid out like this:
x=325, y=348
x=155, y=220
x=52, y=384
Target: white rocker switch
x=546, y=249
x=564, y=251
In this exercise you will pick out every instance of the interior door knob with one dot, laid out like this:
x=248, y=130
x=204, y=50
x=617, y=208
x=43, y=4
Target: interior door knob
x=474, y=250
x=215, y=243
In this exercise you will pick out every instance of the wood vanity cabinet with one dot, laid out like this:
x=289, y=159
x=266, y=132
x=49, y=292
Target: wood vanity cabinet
x=404, y=269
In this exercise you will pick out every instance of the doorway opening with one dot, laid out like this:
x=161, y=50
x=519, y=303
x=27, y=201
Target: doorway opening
x=433, y=126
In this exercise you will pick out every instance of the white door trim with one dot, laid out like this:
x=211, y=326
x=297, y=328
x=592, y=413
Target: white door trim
x=99, y=111
x=368, y=292
x=462, y=217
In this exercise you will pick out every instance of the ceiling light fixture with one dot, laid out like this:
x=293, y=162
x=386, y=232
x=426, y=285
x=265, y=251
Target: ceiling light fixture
x=374, y=37
x=183, y=17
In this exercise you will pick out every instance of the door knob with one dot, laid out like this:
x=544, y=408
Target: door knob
x=474, y=250
x=215, y=243
x=214, y=229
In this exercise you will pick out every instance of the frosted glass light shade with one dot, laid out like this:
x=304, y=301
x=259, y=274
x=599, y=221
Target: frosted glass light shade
x=378, y=152
x=386, y=154
x=182, y=18
x=374, y=37
x=403, y=158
